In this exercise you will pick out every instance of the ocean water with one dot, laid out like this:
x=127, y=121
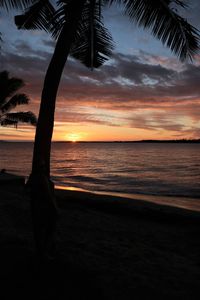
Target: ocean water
x=131, y=168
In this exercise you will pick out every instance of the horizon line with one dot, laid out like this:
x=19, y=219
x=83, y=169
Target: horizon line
x=120, y=141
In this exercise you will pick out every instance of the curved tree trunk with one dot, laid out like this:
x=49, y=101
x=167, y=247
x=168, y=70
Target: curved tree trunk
x=43, y=206
x=44, y=131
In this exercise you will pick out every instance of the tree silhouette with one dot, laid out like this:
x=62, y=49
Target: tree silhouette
x=10, y=100
x=78, y=27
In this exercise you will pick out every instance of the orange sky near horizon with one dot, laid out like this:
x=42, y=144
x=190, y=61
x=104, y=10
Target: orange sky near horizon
x=70, y=132
x=109, y=124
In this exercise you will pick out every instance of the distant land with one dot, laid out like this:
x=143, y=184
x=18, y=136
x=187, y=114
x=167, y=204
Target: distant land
x=192, y=141
x=188, y=141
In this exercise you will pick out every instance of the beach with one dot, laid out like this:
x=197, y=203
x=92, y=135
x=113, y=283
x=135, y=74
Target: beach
x=107, y=248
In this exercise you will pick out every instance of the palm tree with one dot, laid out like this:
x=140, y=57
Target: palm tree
x=80, y=32
x=9, y=100
x=78, y=28
x=71, y=24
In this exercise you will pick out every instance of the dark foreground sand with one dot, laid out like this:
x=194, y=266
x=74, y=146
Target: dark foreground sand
x=108, y=248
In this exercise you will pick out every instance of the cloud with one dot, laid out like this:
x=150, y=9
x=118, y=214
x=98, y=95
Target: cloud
x=138, y=91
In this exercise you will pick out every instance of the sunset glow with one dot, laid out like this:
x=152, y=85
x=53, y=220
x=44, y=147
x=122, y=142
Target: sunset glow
x=142, y=92
x=73, y=137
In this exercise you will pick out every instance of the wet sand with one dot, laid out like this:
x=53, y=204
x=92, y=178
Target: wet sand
x=107, y=248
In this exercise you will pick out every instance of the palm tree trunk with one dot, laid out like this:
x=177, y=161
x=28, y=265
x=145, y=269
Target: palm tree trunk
x=44, y=131
x=43, y=206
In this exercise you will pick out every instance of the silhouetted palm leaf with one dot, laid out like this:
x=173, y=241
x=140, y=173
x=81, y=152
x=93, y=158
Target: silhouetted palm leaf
x=37, y=16
x=18, y=99
x=61, y=17
x=165, y=24
x=18, y=4
x=93, y=43
x=15, y=118
x=7, y=122
x=7, y=87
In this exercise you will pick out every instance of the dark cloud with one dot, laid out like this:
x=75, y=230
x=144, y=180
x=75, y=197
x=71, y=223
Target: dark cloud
x=127, y=84
x=125, y=78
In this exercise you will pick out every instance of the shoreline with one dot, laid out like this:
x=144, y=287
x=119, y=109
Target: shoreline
x=187, y=203
x=126, y=207
x=178, y=202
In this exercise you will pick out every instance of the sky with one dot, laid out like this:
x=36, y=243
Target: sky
x=142, y=92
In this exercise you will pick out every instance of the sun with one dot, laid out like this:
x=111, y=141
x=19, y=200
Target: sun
x=73, y=137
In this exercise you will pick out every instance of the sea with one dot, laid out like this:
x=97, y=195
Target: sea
x=168, y=173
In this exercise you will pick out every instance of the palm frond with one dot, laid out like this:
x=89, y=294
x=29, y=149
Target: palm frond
x=8, y=86
x=161, y=17
x=37, y=16
x=58, y=21
x=7, y=122
x=64, y=15
x=166, y=25
x=93, y=43
x=19, y=117
x=18, y=99
x=19, y=4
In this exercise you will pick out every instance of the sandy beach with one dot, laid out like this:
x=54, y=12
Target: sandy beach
x=107, y=248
